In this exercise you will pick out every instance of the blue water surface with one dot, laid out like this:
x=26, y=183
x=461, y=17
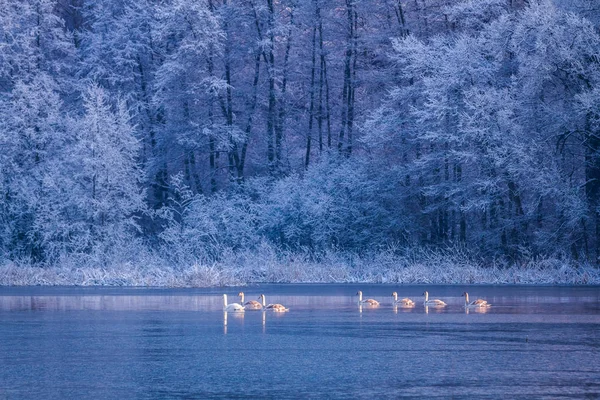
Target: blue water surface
x=117, y=343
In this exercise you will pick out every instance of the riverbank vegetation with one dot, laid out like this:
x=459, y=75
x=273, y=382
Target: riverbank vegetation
x=268, y=265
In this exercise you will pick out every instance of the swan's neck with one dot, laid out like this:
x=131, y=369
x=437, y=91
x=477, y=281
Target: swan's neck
x=242, y=297
x=359, y=297
x=395, y=297
x=264, y=301
x=466, y=298
x=426, y=297
x=225, y=301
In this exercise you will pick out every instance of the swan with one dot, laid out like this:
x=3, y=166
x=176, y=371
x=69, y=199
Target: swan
x=233, y=307
x=250, y=304
x=369, y=302
x=405, y=302
x=272, y=307
x=479, y=303
x=434, y=302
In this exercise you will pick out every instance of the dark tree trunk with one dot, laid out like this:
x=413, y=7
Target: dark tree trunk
x=312, y=99
x=347, y=89
x=280, y=126
x=242, y=162
x=271, y=148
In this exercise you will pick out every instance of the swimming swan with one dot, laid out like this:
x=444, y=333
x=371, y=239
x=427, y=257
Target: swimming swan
x=250, y=304
x=272, y=307
x=479, y=303
x=369, y=302
x=405, y=302
x=434, y=302
x=233, y=307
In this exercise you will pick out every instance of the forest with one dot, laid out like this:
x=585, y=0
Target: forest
x=211, y=142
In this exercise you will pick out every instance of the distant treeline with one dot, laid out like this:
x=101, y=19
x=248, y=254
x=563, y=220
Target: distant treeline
x=198, y=129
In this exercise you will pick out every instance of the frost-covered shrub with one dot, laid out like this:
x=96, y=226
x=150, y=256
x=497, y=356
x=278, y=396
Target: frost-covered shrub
x=198, y=227
x=336, y=204
x=327, y=208
x=268, y=264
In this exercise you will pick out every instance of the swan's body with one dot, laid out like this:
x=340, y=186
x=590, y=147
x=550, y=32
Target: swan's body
x=233, y=307
x=272, y=307
x=405, y=302
x=369, y=302
x=479, y=303
x=434, y=302
x=250, y=304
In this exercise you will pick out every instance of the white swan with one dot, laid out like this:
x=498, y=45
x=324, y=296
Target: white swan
x=272, y=307
x=479, y=303
x=250, y=304
x=434, y=302
x=233, y=307
x=405, y=302
x=369, y=302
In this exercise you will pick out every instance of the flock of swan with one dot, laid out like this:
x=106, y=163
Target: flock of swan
x=405, y=303
x=252, y=305
x=408, y=303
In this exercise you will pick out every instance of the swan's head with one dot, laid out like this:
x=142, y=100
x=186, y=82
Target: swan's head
x=394, y=294
x=262, y=300
x=240, y=293
x=464, y=294
x=358, y=293
x=425, y=293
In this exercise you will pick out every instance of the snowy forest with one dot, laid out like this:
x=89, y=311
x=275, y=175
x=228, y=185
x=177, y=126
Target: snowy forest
x=178, y=142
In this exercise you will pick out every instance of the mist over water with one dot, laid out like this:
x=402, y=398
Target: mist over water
x=534, y=342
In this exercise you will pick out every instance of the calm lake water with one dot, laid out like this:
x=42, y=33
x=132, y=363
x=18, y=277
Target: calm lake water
x=118, y=343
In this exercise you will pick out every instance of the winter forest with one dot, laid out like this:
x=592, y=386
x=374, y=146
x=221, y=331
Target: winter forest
x=205, y=142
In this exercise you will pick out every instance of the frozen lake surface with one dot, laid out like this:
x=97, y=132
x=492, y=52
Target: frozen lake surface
x=115, y=343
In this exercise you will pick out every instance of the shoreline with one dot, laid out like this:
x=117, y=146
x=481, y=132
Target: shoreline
x=232, y=274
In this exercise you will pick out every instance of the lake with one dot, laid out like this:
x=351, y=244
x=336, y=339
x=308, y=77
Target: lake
x=115, y=343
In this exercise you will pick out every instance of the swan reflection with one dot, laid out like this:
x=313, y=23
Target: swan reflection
x=236, y=315
x=477, y=310
x=403, y=309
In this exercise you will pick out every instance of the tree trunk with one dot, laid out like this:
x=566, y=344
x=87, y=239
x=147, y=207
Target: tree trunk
x=250, y=116
x=213, y=155
x=271, y=115
x=280, y=125
x=312, y=99
x=401, y=19
x=347, y=86
x=232, y=153
x=352, y=86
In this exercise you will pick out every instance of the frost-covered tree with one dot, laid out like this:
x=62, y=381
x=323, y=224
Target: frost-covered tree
x=108, y=192
x=189, y=35
x=484, y=128
x=33, y=40
x=32, y=133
